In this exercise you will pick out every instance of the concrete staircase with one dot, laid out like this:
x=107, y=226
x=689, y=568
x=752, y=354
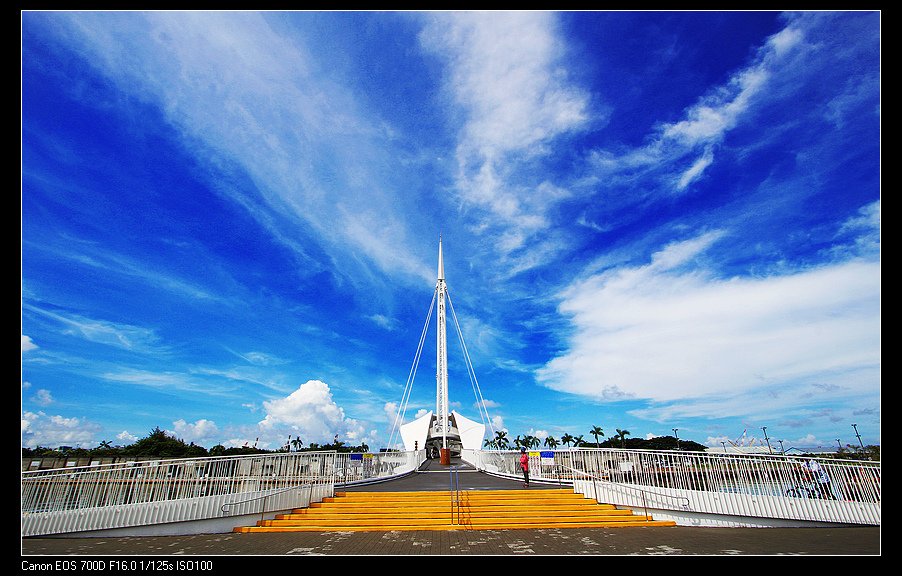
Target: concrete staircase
x=477, y=510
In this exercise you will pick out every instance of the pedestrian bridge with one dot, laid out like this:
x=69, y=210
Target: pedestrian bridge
x=216, y=494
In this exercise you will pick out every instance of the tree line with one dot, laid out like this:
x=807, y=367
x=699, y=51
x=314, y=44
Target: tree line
x=160, y=444
x=619, y=440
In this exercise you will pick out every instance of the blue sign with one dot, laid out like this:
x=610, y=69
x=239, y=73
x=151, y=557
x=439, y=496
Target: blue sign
x=547, y=454
x=356, y=456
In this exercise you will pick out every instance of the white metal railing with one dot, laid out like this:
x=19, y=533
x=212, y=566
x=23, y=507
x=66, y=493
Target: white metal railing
x=358, y=468
x=753, y=485
x=151, y=492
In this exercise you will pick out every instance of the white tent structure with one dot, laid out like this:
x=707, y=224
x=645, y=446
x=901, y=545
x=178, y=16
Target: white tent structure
x=467, y=433
x=441, y=429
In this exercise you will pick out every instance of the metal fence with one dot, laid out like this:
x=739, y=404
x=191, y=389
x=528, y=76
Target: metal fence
x=129, y=494
x=753, y=485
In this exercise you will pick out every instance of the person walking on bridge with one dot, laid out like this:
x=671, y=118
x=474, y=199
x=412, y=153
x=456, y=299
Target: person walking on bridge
x=524, y=465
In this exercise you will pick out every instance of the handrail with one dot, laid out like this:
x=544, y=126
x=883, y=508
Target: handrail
x=139, y=493
x=264, y=497
x=642, y=491
x=454, y=493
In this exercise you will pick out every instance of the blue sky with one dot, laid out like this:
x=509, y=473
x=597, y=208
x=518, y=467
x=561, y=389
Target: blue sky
x=230, y=223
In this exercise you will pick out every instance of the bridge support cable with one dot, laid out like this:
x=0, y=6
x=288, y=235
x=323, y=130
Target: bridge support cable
x=405, y=396
x=471, y=373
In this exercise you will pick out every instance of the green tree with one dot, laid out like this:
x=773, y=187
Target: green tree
x=297, y=443
x=596, y=431
x=578, y=441
x=158, y=443
x=518, y=442
x=501, y=441
x=530, y=441
x=551, y=442
x=622, y=434
x=567, y=439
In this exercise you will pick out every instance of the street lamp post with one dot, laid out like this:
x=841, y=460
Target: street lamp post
x=838, y=443
x=677, y=437
x=855, y=426
x=724, y=444
x=782, y=451
x=766, y=439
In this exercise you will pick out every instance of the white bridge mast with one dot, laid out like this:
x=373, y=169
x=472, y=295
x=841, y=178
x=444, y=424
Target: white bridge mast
x=441, y=374
x=448, y=430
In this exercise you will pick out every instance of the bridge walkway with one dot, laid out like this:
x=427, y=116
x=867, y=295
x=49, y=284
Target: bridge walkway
x=645, y=541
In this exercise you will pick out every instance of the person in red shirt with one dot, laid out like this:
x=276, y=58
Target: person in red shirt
x=524, y=465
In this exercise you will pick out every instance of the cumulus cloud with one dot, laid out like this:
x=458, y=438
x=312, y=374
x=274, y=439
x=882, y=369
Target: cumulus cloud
x=671, y=331
x=27, y=344
x=41, y=429
x=126, y=438
x=310, y=411
x=42, y=398
x=200, y=432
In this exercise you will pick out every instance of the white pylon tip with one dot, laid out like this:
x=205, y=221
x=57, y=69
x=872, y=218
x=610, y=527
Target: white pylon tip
x=441, y=263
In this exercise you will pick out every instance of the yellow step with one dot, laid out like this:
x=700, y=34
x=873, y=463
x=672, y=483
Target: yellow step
x=475, y=510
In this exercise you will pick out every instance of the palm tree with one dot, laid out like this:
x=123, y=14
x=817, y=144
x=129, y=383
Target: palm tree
x=489, y=443
x=530, y=441
x=518, y=442
x=550, y=442
x=622, y=434
x=578, y=441
x=596, y=431
x=567, y=439
x=501, y=441
x=297, y=443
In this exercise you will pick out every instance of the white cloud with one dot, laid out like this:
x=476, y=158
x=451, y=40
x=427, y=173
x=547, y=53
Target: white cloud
x=200, y=432
x=40, y=429
x=540, y=434
x=695, y=171
x=864, y=228
x=248, y=94
x=261, y=358
x=27, y=344
x=117, y=335
x=126, y=438
x=667, y=332
x=705, y=123
x=383, y=321
x=42, y=398
x=309, y=411
x=506, y=76
x=504, y=72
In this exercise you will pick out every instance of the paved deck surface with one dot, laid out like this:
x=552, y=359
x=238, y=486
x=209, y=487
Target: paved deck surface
x=223, y=550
